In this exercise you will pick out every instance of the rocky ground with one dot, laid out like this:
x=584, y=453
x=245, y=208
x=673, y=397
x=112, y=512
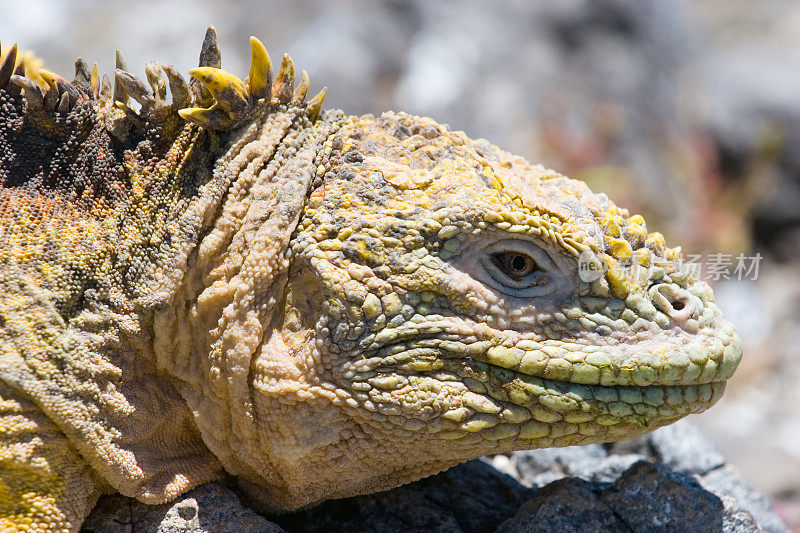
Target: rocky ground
x=671, y=480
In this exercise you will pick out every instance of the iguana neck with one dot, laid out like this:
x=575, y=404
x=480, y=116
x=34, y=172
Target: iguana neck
x=184, y=199
x=226, y=300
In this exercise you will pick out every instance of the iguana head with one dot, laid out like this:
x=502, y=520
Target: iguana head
x=462, y=302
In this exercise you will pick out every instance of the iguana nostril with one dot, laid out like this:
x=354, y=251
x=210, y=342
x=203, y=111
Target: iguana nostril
x=673, y=301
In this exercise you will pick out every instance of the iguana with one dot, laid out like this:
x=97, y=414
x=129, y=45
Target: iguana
x=238, y=284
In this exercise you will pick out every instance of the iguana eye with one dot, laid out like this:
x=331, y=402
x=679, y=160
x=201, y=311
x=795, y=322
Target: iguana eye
x=514, y=264
x=518, y=267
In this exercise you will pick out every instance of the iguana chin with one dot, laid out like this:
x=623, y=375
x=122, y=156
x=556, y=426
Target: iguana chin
x=320, y=305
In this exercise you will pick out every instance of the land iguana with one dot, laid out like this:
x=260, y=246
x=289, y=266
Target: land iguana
x=235, y=283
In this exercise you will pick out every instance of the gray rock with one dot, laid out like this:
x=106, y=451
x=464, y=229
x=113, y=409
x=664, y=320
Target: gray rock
x=736, y=519
x=726, y=481
x=607, y=470
x=682, y=447
x=211, y=508
x=537, y=468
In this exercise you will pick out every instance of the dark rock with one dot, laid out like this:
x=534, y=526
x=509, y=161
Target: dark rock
x=472, y=497
x=651, y=497
x=566, y=505
x=647, y=497
x=588, y=488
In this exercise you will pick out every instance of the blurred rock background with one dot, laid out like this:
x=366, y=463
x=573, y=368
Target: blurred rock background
x=687, y=112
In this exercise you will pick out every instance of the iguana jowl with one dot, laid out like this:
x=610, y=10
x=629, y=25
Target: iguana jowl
x=236, y=283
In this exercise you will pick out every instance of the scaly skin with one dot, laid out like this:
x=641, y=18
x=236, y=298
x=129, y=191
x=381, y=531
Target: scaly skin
x=317, y=304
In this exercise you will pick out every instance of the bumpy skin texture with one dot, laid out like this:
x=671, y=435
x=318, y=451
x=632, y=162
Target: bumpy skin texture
x=319, y=305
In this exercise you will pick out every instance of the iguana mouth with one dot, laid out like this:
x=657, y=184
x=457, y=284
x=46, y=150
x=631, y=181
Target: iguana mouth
x=678, y=365
x=551, y=400
x=670, y=362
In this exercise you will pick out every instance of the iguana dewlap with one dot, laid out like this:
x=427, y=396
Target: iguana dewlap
x=233, y=282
